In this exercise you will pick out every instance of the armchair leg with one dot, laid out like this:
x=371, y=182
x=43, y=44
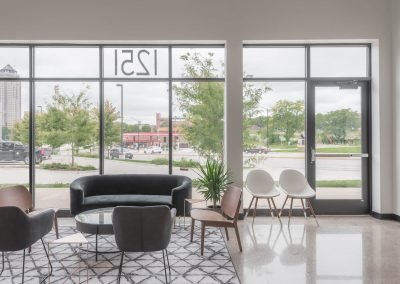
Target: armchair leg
x=169, y=266
x=48, y=259
x=120, y=268
x=56, y=226
x=23, y=267
x=2, y=266
x=165, y=267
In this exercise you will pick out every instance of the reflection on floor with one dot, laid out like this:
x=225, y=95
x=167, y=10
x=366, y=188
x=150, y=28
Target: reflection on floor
x=341, y=250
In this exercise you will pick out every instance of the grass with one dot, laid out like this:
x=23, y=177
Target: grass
x=41, y=185
x=339, y=183
x=345, y=149
x=66, y=167
x=87, y=155
x=183, y=163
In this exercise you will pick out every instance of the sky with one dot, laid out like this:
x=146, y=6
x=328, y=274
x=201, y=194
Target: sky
x=142, y=100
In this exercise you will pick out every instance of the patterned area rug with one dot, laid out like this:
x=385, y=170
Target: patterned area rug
x=187, y=266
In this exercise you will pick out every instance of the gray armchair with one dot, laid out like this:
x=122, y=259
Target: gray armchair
x=142, y=229
x=20, y=230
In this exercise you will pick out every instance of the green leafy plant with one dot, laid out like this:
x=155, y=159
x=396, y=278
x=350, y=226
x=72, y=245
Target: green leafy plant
x=213, y=180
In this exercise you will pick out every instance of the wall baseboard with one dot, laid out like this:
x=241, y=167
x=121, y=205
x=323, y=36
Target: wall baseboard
x=385, y=216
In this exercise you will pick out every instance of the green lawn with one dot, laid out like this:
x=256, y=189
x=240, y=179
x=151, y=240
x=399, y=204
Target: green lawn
x=339, y=149
x=339, y=183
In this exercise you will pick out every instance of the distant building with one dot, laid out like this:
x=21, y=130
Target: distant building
x=10, y=100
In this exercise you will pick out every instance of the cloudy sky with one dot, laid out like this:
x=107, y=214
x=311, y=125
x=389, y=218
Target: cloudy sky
x=143, y=99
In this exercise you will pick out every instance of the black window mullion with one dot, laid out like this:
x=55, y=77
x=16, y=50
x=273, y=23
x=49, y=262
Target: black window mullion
x=170, y=142
x=32, y=124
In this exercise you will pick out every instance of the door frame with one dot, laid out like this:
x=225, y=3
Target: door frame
x=341, y=206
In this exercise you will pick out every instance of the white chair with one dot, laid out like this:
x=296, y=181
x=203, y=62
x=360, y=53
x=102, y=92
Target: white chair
x=294, y=184
x=260, y=185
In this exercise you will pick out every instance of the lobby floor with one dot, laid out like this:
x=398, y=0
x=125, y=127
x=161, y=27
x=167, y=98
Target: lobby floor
x=343, y=249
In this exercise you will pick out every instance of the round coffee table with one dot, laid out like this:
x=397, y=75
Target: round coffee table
x=96, y=222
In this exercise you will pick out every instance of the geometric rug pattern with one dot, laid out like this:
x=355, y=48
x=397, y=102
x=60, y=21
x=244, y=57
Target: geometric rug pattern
x=187, y=265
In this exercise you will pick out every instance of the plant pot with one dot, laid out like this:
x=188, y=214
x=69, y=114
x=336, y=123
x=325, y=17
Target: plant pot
x=211, y=207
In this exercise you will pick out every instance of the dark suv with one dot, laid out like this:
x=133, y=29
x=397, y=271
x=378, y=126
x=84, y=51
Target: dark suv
x=16, y=151
x=114, y=153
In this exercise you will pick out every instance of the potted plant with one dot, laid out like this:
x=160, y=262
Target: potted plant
x=213, y=180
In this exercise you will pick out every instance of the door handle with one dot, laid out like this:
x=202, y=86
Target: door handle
x=312, y=155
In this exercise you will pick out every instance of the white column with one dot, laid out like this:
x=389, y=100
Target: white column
x=233, y=146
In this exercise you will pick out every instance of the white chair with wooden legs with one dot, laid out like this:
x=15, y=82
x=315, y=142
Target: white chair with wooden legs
x=230, y=205
x=294, y=184
x=261, y=185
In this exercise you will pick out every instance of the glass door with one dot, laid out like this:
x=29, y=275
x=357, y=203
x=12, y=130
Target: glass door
x=338, y=146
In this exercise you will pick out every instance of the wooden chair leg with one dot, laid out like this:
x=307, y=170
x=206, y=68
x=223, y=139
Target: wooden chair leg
x=202, y=237
x=304, y=208
x=192, y=231
x=238, y=237
x=312, y=211
x=255, y=209
x=290, y=209
x=276, y=210
x=270, y=208
x=283, y=206
x=248, y=210
x=226, y=232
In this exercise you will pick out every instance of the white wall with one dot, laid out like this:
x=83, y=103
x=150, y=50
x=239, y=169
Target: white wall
x=232, y=21
x=396, y=94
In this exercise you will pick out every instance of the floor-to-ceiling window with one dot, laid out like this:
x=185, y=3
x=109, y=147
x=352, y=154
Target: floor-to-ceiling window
x=306, y=107
x=94, y=109
x=14, y=115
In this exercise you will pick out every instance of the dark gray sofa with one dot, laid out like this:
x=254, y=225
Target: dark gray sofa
x=100, y=191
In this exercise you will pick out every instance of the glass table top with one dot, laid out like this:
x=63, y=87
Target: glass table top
x=96, y=217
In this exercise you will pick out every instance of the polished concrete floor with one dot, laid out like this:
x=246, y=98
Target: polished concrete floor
x=341, y=250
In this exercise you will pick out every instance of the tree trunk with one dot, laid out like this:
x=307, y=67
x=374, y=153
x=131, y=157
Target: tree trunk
x=72, y=155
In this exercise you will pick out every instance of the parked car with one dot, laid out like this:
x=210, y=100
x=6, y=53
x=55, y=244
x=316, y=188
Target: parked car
x=115, y=153
x=46, y=153
x=258, y=150
x=153, y=150
x=128, y=156
x=14, y=151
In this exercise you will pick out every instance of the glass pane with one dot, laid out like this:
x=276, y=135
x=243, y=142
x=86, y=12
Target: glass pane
x=136, y=62
x=69, y=62
x=274, y=62
x=136, y=127
x=14, y=62
x=198, y=62
x=273, y=133
x=198, y=126
x=67, y=137
x=338, y=132
x=14, y=133
x=328, y=61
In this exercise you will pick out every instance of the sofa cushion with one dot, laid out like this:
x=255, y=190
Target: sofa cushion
x=127, y=200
